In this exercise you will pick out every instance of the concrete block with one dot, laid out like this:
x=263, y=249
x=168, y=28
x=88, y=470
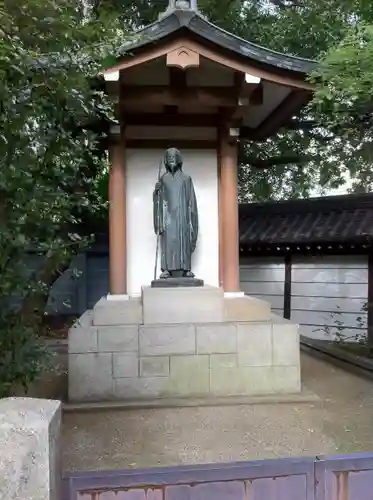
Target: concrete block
x=30, y=449
x=242, y=381
x=182, y=305
x=218, y=361
x=247, y=309
x=286, y=379
x=261, y=330
x=286, y=349
x=118, y=338
x=158, y=366
x=216, y=338
x=254, y=344
x=125, y=365
x=163, y=340
x=189, y=375
x=83, y=340
x=90, y=377
x=117, y=312
x=140, y=388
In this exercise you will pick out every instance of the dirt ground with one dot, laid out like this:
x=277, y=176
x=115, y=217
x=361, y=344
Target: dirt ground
x=340, y=422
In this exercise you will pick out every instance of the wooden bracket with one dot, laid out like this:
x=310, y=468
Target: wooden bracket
x=183, y=57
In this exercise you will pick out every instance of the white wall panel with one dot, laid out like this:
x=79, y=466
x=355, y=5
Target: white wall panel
x=328, y=294
x=142, y=172
x=264, y=278
x=327, y=289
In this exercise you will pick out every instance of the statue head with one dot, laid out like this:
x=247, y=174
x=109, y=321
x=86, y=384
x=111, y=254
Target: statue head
x=173, y=160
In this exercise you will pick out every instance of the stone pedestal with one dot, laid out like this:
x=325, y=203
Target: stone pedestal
x=30, y=467
x=182, y=305
x=182, y=342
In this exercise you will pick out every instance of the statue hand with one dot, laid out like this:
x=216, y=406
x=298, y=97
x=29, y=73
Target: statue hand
x=157, y=186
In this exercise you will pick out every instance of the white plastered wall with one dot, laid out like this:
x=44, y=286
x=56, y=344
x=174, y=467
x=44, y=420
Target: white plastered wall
x=141, y=172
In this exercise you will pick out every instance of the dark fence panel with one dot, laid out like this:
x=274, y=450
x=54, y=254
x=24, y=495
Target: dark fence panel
x=286, y=479
x=347, y=477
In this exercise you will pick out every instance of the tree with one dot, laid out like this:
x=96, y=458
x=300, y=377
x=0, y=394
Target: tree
x=50, y=53
x=343, y=102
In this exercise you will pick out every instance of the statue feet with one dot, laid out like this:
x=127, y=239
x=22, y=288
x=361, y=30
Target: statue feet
x=165, y=275
x=188, y=274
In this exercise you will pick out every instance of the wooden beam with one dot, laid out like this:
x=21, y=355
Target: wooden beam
x=251, y=91
x=169, y=143
x=172, y=119
x=207, y=96
x=178, y=78
x=256, y=96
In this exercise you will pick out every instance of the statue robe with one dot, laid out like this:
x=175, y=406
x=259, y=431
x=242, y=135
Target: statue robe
x=176, y=220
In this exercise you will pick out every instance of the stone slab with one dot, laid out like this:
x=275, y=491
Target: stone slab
x=216, y=338
x=177, y=282
x=241, y=381
x=305, y=396
x=125, y=365
x=246, y=308
x=286, y=344
x=254, y=344
x=182, y=305
x=30, y=449
x=117, y=312
x=164, y=340
x=189, y=375
x=139, y=388
x=118, y=338
x=156, y=366
x=218, y=361
x=83, y=340
x=90, y=376
x=286, y=379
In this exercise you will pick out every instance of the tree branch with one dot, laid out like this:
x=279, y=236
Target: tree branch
x=277, y=160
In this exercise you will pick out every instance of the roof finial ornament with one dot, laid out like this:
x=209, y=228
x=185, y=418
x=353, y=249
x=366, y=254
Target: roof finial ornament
x=173, y=5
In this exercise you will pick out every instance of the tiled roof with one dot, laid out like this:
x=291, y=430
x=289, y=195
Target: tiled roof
x=195, y=23
x=328, y=220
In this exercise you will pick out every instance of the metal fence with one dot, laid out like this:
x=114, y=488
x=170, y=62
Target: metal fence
x=347, y=477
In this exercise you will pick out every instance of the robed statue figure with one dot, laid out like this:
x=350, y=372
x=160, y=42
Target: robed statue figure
x=175, y=217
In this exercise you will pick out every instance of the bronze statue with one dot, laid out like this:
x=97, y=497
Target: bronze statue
x=175, y=217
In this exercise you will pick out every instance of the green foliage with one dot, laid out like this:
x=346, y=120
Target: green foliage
x=49, y=158
x=343, y=102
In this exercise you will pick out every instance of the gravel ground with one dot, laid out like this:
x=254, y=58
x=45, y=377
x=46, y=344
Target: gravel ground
x=341, y=422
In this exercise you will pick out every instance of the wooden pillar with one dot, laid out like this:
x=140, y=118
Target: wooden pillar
x=229, y=212
x=220, y=212
x=370, y=300
x=117, y=218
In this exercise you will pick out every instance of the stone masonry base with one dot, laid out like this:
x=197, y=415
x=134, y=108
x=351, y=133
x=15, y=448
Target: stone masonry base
x=136, y=360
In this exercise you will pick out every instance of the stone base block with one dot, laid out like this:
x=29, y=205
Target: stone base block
x=247, y=309
x=30, y=449
x=117, y=312
x=182, y=305
x=194, y=359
